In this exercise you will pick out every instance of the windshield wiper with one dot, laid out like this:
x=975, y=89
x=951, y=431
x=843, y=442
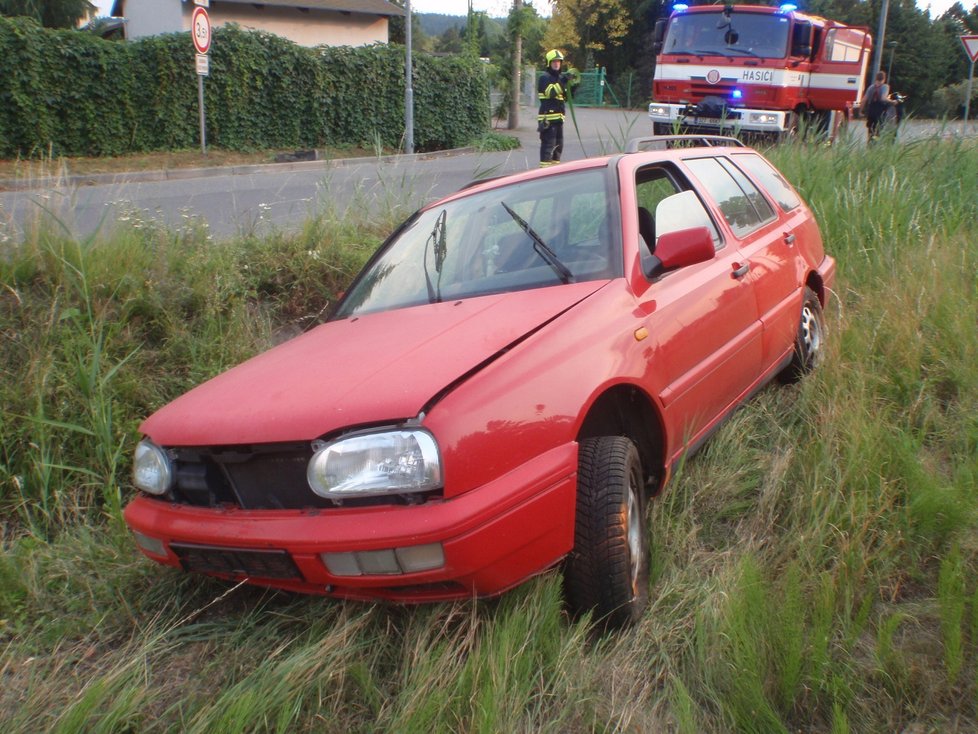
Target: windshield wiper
x=541, y=247
x=437, y=237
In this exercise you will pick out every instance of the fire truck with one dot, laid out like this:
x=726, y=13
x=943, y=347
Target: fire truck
x=760, y=70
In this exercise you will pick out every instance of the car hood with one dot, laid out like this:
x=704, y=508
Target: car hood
x=369, y=369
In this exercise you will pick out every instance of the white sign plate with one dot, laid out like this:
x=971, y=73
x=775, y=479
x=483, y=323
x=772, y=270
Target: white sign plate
x=971, y=46
x=203, y=65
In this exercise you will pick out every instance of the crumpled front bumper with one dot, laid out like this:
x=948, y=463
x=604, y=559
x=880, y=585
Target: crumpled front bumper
x=492, y=537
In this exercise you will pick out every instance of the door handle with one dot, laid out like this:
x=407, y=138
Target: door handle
x=740, y=270
x=789, y=238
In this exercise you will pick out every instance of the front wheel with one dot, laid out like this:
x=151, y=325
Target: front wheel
x=607, y=571
x=809, y=342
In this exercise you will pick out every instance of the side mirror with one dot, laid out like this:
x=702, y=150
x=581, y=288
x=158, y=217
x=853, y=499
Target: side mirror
x=658, y=36
x=681, y=248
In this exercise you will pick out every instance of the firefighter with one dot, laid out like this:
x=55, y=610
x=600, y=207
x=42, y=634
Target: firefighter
x=553, y=87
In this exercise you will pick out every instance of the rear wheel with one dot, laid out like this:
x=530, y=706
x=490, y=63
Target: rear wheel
x=607, y=572
x=809, y=342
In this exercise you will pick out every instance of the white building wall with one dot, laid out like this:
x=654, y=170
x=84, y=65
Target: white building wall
x=307, y=27
x=152, y=17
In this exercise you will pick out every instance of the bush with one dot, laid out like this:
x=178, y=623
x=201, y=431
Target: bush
x=70, y=93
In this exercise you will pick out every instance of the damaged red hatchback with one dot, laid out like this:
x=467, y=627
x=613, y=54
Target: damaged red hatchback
x=517, y=369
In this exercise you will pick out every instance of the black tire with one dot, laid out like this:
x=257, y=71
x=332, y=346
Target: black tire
x=608, y=570
x=810, y=341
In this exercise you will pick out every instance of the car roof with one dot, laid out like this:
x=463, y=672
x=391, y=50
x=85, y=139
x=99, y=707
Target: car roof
x=666, y=148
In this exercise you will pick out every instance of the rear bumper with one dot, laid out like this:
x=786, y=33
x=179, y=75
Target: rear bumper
x=739, y=118
x=492, y=537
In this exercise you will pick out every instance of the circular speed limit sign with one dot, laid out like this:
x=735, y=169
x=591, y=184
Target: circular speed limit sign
x=200, y=29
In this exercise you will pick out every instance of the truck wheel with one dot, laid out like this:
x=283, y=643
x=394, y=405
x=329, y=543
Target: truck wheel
x=607, y=571
x=810, y=341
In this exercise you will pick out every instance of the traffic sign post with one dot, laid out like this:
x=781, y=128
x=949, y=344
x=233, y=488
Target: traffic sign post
x=200, y=31
x=971, y=48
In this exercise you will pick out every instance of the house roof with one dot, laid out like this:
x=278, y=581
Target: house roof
x=366, y=7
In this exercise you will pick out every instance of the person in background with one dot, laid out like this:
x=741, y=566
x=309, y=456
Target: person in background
x=876, y=103
x=553, y=87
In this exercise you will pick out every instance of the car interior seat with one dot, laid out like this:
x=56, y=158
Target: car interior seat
x=646, y=227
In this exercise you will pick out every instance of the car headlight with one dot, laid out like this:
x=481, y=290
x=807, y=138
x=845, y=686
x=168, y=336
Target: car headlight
x=375, y=464
x=152, y=470
x=658, y=110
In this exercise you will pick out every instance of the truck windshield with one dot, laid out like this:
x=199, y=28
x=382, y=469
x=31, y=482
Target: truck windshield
x=760, y=35
x=475, y=246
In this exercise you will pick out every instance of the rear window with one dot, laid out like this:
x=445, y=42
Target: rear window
x=770, y=178
x=739, y=201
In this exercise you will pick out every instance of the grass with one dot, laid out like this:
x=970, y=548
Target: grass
x=814, y=566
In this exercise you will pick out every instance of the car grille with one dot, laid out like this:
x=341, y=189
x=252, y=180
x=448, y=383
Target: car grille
x=251, y=477
x=260, y=564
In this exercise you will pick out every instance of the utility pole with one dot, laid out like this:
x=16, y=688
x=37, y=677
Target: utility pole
x=514, y=103
x=878, y=46
x=408, y=88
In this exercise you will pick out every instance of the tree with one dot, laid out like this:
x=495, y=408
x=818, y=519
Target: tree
x=588, y=29
x=49, y=13
x=397, y=29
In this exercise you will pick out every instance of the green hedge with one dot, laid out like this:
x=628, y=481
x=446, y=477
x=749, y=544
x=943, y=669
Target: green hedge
x=71, y=93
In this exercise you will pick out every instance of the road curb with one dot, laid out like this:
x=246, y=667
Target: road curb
x=178, y=174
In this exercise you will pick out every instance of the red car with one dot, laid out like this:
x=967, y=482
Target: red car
x=517, y=369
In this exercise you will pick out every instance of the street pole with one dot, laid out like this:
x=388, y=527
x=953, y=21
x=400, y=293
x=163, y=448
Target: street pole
x=878, y=50
x=200, y=104
x=514, y=103
x=967, y=100
x=408, y=88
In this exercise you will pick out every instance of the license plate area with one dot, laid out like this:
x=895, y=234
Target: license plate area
x=261, y=564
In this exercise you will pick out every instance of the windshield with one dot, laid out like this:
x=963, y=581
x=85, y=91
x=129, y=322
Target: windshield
x=476, y=246
x=761, y=35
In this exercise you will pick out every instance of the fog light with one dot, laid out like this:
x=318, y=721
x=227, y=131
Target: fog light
x=150, y=545
x=420, y=557
x=387, y=562
x=379, y=562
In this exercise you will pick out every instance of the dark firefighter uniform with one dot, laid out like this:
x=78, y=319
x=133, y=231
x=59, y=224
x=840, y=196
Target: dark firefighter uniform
x=552, y=89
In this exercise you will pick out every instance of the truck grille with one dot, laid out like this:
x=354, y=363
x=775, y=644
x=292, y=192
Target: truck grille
x=701, y=90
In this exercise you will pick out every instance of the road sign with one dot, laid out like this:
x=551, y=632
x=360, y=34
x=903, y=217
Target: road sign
x=971, y=47
x=203, y=67
x=203, y=3
x=200, y=29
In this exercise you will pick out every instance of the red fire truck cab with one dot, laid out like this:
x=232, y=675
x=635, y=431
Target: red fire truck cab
x=752, y=68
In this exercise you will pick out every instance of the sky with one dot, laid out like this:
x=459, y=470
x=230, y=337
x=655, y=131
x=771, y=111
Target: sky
x=500, y=8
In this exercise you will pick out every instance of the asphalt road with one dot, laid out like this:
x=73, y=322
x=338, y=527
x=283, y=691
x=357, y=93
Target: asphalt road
x=262, y=199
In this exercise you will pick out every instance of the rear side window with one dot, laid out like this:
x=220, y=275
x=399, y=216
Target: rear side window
x=741, y=204
x=770, y=178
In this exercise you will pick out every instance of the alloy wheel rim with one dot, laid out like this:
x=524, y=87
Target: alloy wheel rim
x=811, y=333
x=633, y=519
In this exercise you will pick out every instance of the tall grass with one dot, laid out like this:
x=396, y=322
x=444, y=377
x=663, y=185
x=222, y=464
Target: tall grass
x=814, y=567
